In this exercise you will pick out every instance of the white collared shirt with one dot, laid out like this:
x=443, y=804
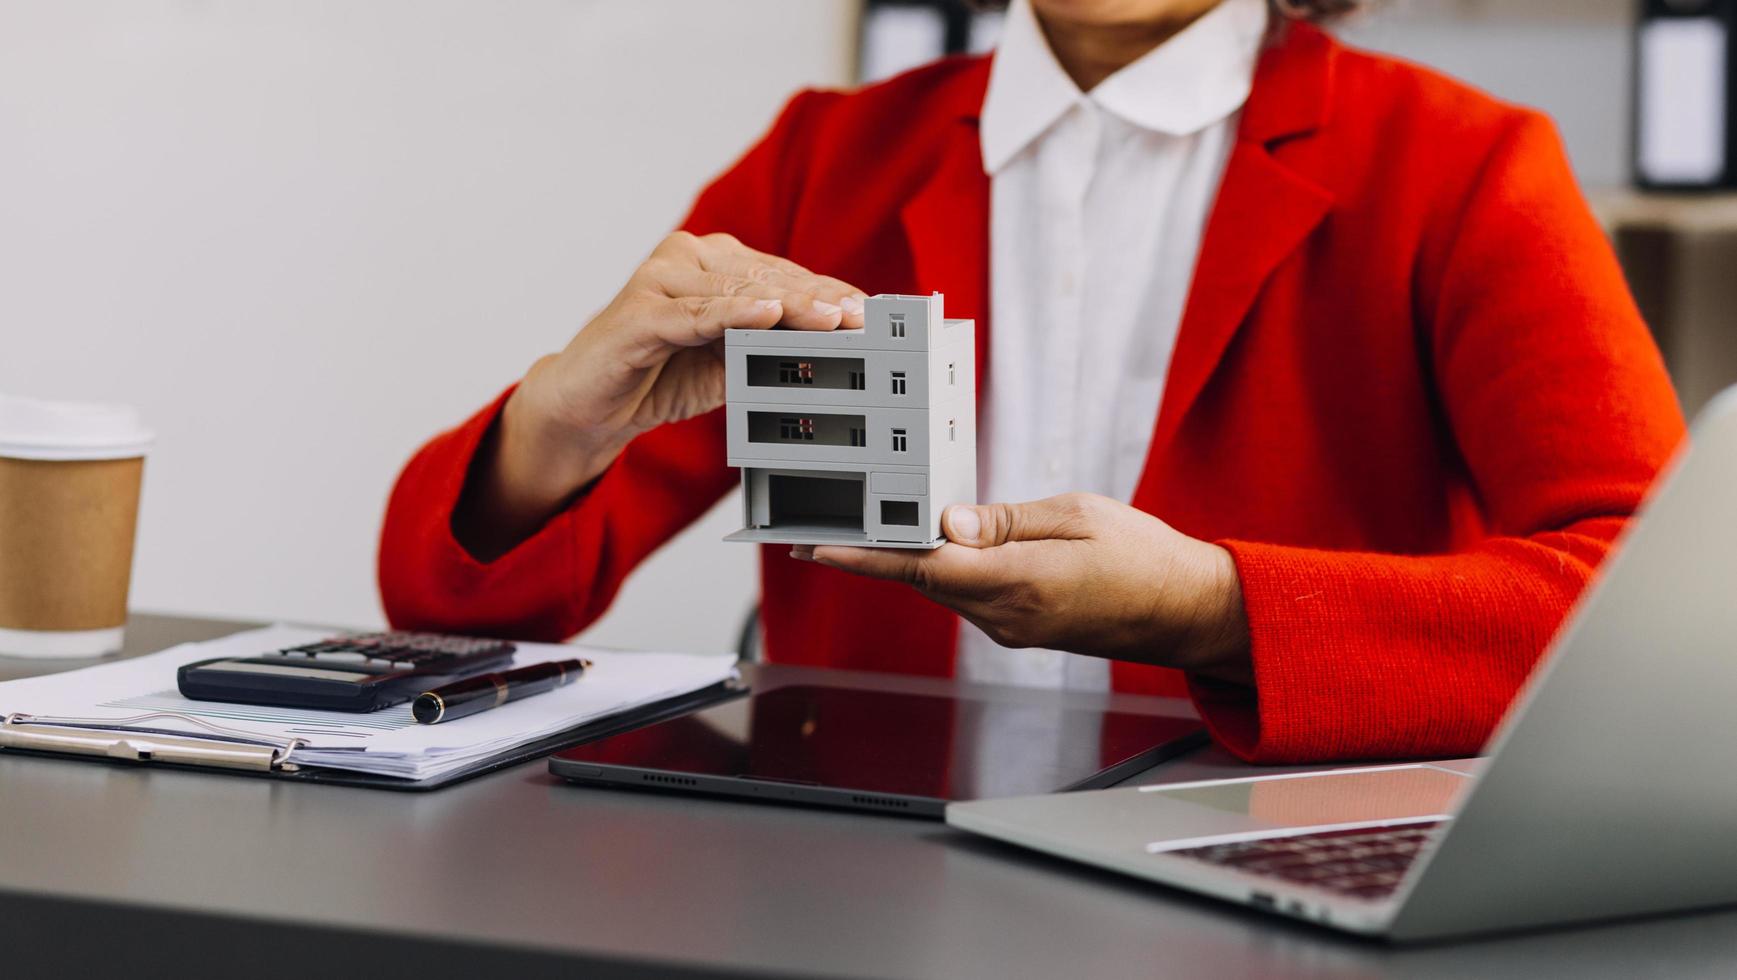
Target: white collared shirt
x=1098, y=202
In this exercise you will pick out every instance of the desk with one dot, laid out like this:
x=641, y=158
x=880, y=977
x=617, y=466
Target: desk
x=517, y=874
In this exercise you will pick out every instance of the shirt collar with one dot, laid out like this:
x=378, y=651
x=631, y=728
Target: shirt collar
x=1189, y=82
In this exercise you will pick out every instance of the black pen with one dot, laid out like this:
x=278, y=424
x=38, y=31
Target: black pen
x=485, y=691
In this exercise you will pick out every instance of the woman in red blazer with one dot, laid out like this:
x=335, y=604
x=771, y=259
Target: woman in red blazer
x=1409, y=408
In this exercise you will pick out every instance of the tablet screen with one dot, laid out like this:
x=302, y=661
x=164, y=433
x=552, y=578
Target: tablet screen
x=894, y=743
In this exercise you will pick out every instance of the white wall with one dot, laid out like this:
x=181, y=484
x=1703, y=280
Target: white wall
x=304, y=235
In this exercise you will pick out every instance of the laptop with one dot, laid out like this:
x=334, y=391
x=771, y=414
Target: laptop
x=1608, y=791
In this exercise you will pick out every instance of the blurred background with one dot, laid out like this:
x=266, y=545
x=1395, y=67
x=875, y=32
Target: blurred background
x=303, y=237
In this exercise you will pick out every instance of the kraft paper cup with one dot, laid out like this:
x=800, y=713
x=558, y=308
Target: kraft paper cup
x=69, y=508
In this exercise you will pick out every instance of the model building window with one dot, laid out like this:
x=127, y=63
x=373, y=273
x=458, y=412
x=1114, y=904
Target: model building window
x=796, y=429
x=858, y=380
x=949, y=374
x=897, y=321
x=899, y=512
x=859, y=437
x=796, y=372
x=950, y=431
x=898, y=382
x=899, y=443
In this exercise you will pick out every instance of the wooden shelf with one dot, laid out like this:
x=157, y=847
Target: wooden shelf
x=1627, y=208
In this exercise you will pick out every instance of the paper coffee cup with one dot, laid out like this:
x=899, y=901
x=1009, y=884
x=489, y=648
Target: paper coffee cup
x=69, y=507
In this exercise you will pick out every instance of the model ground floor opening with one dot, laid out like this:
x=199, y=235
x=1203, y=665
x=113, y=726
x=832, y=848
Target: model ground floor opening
x=825, y=502
x=835, y=507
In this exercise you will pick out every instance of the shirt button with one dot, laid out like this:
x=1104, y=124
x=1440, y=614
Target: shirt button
x=1053, y=467
x=1067, y=283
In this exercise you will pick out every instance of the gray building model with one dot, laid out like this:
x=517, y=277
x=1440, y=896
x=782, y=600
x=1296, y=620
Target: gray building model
x=858, y=437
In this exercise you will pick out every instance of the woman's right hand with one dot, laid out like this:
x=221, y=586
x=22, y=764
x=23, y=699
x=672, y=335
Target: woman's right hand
x=653, y=355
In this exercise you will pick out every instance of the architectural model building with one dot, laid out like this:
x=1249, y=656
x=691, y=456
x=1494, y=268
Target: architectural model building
x=858, y=437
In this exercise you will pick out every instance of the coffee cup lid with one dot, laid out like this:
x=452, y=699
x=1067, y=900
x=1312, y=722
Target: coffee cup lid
x=35, y=429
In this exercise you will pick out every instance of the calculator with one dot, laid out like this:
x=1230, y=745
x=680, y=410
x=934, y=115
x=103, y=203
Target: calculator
x=359, y=672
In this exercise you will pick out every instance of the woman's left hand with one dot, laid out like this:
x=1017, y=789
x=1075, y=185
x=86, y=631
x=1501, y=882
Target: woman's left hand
x=1078, y=572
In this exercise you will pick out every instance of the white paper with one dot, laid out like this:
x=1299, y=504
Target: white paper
x=384, y=742
x=1682, y=100
x=895, y=39
x=986, y=29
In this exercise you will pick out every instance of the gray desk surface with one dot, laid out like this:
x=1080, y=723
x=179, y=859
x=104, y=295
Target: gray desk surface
x=516, y=874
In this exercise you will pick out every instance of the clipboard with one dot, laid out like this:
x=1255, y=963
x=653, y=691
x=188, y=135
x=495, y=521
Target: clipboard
x=232, y=752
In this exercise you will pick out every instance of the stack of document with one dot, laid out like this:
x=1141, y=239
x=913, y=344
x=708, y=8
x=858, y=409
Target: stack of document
x=140, y=694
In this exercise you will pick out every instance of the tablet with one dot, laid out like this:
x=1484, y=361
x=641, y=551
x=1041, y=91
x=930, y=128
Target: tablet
x=883, y=751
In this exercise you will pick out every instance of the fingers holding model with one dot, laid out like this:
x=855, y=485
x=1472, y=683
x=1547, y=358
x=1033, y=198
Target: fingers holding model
x=1077, y=572
x=650, y=357
x=644, y=360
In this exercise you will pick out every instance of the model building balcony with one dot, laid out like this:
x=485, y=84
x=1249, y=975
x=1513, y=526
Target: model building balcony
x=800, y=376
x=761, y=434
x=805, y=372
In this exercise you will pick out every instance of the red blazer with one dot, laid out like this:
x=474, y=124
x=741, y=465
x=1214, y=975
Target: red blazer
x=1410, y=394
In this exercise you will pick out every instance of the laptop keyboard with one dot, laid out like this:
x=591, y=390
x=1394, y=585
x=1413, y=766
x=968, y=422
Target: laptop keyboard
x=1368, y=863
